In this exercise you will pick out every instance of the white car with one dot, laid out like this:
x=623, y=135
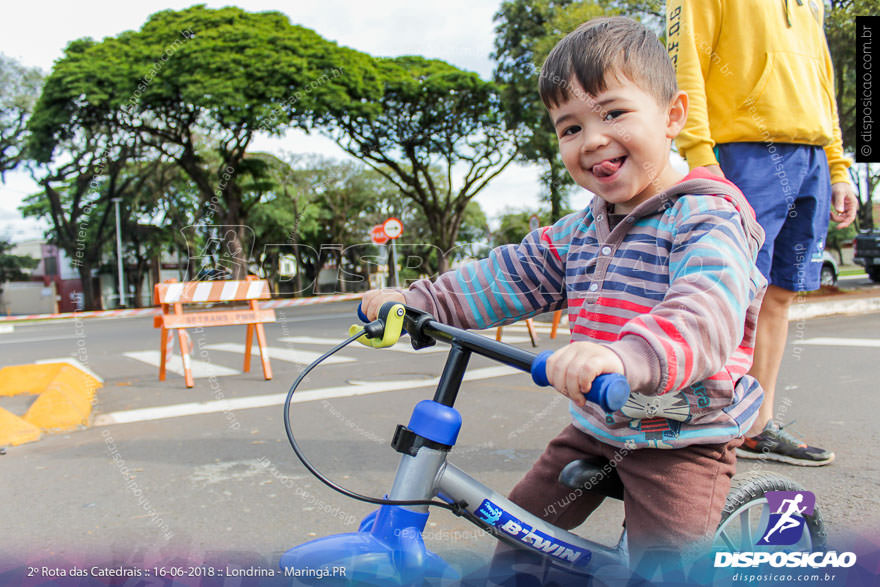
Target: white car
x=828, y=276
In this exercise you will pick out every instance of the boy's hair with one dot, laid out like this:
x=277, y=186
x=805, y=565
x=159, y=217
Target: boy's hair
x=609, y=45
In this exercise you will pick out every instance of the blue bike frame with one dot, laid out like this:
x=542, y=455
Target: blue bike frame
x=388, y=546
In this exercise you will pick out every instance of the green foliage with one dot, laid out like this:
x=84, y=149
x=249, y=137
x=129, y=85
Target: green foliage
x=152, y=214
x=526, y=31
x=432, y=116
x=563, y=21
x=651, y=12
x=840, y=31
x=836, y=238
x=19, y=88
x=344, y=193
x=197, y=85
x=12, y=266
x=521, y=25
x=77, y=191
x=473, y=238
x=515, y=225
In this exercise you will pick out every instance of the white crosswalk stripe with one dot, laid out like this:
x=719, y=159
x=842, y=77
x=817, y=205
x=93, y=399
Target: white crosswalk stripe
x=209, y=368
x=282, y=354
x=199, y=368
x=834, y=341
x=307, y=395
x=403, y=346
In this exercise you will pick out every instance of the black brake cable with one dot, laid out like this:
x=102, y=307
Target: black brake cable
x=455, y=508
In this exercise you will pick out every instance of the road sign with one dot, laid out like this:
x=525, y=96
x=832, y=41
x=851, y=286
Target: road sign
x=393, y=228
x=534, y=222
x=377, y=235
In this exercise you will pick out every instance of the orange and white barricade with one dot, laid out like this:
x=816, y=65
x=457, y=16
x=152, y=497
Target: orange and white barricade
x=530, y=325
x=172, y=295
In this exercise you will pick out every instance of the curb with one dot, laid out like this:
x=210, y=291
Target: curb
x=15, y=430
x=806, y=310
x=65, y=395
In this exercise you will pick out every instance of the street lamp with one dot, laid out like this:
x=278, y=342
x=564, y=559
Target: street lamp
x=119, y=254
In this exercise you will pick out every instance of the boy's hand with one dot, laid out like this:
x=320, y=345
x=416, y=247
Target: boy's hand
x=571, y=370
x=373, y=300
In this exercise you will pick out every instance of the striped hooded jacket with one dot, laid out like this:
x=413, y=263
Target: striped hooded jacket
x=672, y=289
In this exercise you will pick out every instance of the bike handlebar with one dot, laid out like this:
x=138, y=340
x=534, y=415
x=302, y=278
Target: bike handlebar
x=610, y=390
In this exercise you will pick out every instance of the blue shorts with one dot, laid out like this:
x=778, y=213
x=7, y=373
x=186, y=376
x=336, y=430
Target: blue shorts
x=789, y=188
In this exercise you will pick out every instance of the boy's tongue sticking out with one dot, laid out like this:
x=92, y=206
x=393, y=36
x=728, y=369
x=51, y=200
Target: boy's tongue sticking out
x=607, y=167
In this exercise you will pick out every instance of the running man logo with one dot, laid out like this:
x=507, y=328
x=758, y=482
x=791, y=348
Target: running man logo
x=787, y=510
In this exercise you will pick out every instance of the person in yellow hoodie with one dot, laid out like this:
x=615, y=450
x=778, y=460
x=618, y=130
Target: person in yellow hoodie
x=762, y=114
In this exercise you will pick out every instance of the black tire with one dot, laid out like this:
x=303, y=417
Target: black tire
x=827, y=276
x=746, y=513
x=874, y=273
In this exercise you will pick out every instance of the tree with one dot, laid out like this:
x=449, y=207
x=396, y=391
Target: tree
x=431, y=116
x=12, y=266
x=345, y=192
x=840, y=31
x=152, y=218
x=514, y=226
x=284, y=216
x=520, y=26
x=77, y=192
x=19, y=89
x=416, y=255
x=204, y=76
x=836, y=238
x=315, y=208
x=525, y=33
x=647, y=10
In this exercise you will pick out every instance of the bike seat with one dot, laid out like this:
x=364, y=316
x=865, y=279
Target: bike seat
x=600, y=478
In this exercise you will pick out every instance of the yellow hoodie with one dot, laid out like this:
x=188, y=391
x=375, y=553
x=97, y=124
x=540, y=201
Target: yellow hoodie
x=754, y=71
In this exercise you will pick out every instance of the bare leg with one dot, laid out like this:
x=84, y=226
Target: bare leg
x=770, y=338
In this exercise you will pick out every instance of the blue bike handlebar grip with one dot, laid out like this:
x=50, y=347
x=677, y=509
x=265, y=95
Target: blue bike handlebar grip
x=539, y=369
x=610, y=391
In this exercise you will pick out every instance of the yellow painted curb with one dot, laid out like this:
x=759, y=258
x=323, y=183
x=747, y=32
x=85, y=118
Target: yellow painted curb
x=64, y=402
x=15, y=431
x=30, y=379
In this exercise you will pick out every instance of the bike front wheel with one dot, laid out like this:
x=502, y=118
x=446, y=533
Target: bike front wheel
x=746, y=514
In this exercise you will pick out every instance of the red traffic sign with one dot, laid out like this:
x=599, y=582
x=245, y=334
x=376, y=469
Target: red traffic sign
x=534, y=222
x=393, y=228
x=377, y=234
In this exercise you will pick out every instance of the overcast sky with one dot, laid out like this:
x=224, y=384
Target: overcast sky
x=458, y=31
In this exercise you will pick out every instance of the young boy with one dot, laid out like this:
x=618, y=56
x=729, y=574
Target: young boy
x=660, y=284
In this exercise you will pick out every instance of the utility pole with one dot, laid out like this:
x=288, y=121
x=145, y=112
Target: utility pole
x=119, y=254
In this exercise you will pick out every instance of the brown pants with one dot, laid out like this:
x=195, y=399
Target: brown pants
x=672, y=498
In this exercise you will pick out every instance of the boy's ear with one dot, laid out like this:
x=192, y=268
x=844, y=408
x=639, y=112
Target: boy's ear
x=677, y=114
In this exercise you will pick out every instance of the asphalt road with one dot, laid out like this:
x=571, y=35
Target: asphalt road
x=860, y=281
x=226, y=486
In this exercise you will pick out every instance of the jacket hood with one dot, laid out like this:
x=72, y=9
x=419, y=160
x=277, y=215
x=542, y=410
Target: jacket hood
x=698, y=182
